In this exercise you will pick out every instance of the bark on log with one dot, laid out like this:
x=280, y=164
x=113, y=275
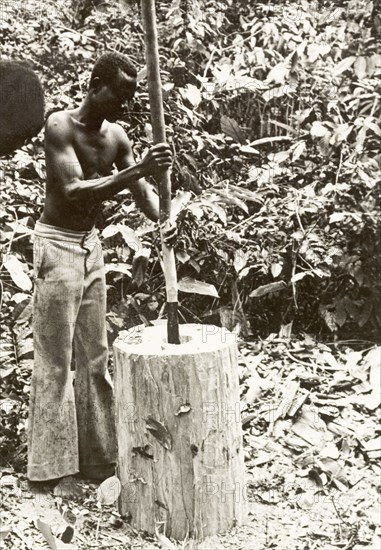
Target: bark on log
x=180, y=458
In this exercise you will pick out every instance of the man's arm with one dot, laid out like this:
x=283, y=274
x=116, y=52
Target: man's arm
x=64, y=168
x=144, y=194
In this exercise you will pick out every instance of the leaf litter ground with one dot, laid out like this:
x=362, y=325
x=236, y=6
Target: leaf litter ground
x=312, y=444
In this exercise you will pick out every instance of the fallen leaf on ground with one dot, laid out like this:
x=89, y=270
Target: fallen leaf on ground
x=109, y=491
x=165, y=542
x=4, y=531
x=8, y=481
x=54, y=542
x=310, y=427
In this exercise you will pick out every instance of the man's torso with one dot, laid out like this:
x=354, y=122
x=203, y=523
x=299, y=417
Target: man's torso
x=96, y=152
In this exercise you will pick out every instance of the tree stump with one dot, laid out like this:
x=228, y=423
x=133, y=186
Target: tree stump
x=180, y=458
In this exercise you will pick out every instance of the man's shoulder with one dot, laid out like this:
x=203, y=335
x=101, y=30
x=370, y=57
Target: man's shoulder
x=57, y=117
x=58, y=125
x=120, y=139
x=118, y=132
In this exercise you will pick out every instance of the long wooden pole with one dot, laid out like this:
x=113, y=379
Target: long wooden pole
x=158, y=129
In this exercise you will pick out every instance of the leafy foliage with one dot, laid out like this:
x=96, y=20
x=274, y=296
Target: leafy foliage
x=272, y=112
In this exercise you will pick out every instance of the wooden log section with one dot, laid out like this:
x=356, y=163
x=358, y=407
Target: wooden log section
x=180, y=458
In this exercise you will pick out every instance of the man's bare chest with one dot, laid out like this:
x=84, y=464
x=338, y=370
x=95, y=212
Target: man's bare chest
x=96, y=154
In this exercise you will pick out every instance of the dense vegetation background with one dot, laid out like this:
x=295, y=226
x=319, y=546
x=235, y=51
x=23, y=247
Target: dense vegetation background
x=272, y=112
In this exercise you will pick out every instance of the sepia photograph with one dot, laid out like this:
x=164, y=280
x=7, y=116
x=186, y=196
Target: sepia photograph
x=190, y=347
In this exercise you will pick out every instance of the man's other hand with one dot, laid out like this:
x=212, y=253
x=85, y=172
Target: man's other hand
x=157, y=160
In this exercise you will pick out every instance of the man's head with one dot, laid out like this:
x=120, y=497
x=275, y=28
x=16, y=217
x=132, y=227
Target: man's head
x=112, y=83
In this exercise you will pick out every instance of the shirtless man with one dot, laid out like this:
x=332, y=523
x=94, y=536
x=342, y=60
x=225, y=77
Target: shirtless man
x=71, y=428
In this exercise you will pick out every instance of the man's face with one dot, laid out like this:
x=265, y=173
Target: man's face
x=111, y=97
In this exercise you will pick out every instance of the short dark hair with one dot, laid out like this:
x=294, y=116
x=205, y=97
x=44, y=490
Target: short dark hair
x=108, y=65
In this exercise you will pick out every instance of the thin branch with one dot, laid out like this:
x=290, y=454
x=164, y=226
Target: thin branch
x=339, y=167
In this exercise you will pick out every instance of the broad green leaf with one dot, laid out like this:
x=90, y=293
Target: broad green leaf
x=372, y=126
x=373, y=357
x=373, y=64
x=276, y=269
x=20, y=297
x=20, y=228
x=318, y=129
x=130, y=237
x=299, y=276
x=360, y=67
x=269, y=140
x=232, y=129
x=110, y=231
x=323, y=144
x=298, y=150
x=370, y=65
x=313, y=52
x=179, y=202
x=5, y=530
x=360, y=140
x=267, y=289
x=142, y=74
x=53, y=542
x=148, y=131
x=15, y=269
x=192, y=94
x=240, y=260
x=245, y=271
x=196, y=209
x=182, y=256
x=4, y=372
x=277, y=74
x=277, y=92
x=344, y=65
x=340, y=134
x=192, y=286
x=337, y=217
x=214, y=207
x=75, y=37
x=222, y=73
x=230, y=200
x=287, y=127
x=40, y=168
x=46, y=530
x=244, y=194
x=249, y=150
x=286, y=330
x=353, y=360
x=298, y=235
x=25, y=348
x=108, y=491
x=278, y=157
x=68, y=534
x=164, y=541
